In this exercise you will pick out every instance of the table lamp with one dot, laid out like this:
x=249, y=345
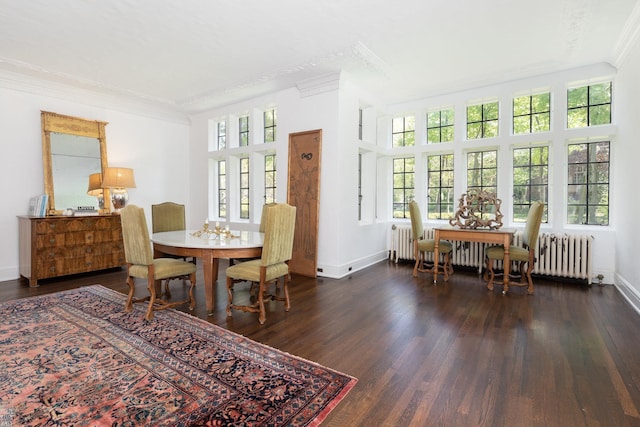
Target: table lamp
x=118, y=180
x=95, y=188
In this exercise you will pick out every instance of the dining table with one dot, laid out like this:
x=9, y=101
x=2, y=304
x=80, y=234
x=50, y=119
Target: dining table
x=209, y=248
x=500, y=236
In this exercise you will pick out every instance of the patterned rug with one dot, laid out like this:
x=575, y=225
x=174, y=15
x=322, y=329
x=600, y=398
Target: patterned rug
x=76, y=358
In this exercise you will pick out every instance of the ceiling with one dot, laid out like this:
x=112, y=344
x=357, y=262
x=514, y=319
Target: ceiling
x=194, y=55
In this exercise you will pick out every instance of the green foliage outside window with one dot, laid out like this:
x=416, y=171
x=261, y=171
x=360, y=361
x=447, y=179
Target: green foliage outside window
x=482, y=120
x=270, y=119
x=440, y=126
x=222, y=189
x=588, y=183
x=403, y=131
x=482, y=171
x=440, y=186
x=243, y=124
x=244, y=187
x=530, y=180
x=403, y=186
x=532, y=114
x=589, y=105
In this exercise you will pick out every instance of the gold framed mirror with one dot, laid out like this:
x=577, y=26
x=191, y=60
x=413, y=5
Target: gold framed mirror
x=72, y=149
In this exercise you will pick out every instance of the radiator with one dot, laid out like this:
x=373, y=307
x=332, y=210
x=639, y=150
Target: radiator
x=561, y=255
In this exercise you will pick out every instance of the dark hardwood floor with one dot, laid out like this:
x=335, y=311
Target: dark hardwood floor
x=454, y=354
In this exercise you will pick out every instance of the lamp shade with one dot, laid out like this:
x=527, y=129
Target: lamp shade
x=118, y=178
x=95, y=184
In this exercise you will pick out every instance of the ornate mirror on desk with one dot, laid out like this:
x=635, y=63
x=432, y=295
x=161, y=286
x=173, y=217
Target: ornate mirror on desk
x=72, y=149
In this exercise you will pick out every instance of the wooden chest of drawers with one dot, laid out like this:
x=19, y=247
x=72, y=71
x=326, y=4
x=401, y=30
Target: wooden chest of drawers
x=58, y=246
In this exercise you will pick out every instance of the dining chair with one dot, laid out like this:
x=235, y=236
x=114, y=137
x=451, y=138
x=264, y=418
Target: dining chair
x=142, y=265
x=272, y=266
x=169, y=216
x=421, y=246
x=524, y=254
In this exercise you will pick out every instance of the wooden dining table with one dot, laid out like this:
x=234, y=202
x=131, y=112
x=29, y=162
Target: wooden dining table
x=501, y=236
x=208, y=248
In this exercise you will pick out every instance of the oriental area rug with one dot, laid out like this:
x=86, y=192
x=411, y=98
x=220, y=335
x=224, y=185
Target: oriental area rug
x=75, y=358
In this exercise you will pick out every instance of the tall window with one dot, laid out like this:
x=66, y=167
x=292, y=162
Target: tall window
x=589, y=105
x=440, y=186
x=270, y=125
x=530, y=180
x=403, y=186
x=440, y=126
x=222, y=135
x=482, y=171
x=270, y=178
x=222, y=189
x=360, y=124
x=243, y=129
x=532, y=114
x=403, y=131
x=244, y=188
x=482, y=120
x=588, y=183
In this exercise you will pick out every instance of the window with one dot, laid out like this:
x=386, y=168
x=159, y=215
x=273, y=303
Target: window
x=360, y=124
x=482, y=171
x=222, y=189
x=270, y=125
x=244, y=188
x=270, y=178
x=482, y=120
x=530, y=180
x=243, y=130
x=588, y=183
x=403, y=131
x=440, y=126
x=222, y=135
x=403, y=186
x=532, y=114
x=589, y=105
x=440, y=186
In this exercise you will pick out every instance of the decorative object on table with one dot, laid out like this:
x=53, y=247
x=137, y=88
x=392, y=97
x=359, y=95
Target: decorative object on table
x=218, y=231
x=478, y=209
x=141, y=264
x=38, y=205
x=95, y=188
x=422, y=245
x=176, y=370
x=118, y=180
x=280, y=222
x=522, y=254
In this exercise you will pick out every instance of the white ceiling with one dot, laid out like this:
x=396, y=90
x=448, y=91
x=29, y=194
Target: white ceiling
x=194, y=55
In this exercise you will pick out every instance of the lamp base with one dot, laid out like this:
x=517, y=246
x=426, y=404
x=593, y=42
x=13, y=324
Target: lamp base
x=119, y=198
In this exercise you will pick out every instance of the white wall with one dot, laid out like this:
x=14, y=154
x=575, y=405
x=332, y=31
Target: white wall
x=156, y=148
x=626, y=173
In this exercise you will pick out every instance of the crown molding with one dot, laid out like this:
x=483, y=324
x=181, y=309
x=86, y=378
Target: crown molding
x=629, y=36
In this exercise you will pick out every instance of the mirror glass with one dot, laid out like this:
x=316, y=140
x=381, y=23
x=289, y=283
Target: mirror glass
x=72, y=149
x=73, y=159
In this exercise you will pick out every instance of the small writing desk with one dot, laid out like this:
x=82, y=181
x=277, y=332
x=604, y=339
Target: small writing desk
x=210, y=250
x=501, y=236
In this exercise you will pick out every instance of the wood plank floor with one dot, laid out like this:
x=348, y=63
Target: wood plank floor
x=454, y=354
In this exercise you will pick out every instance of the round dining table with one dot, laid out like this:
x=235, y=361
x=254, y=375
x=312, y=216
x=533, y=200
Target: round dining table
x=209, y=248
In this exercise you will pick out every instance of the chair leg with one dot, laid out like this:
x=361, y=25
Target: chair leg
x=229, y=296
x=529, y=279
x=263, y=315
x=151, y=285
x=417, y=256
x=192, y=299
x=491, y=273
x=129, y=304
x=287, y=303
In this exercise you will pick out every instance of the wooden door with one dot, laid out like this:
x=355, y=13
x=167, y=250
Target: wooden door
x=304, y=194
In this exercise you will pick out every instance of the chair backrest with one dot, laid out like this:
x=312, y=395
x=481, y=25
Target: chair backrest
x=263, y=217
x=167, y=216
x=135, y=236
x=416, y=220
x=280, y=222
x=531, y=230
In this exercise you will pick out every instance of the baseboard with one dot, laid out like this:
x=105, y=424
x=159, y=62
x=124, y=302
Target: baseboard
x=338, y=272
x=631, y=294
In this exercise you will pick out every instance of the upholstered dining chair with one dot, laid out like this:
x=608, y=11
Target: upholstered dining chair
x=421, y=246
x=169, y=216
x=279, y=224
x=142, y=265
x=524, y=254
